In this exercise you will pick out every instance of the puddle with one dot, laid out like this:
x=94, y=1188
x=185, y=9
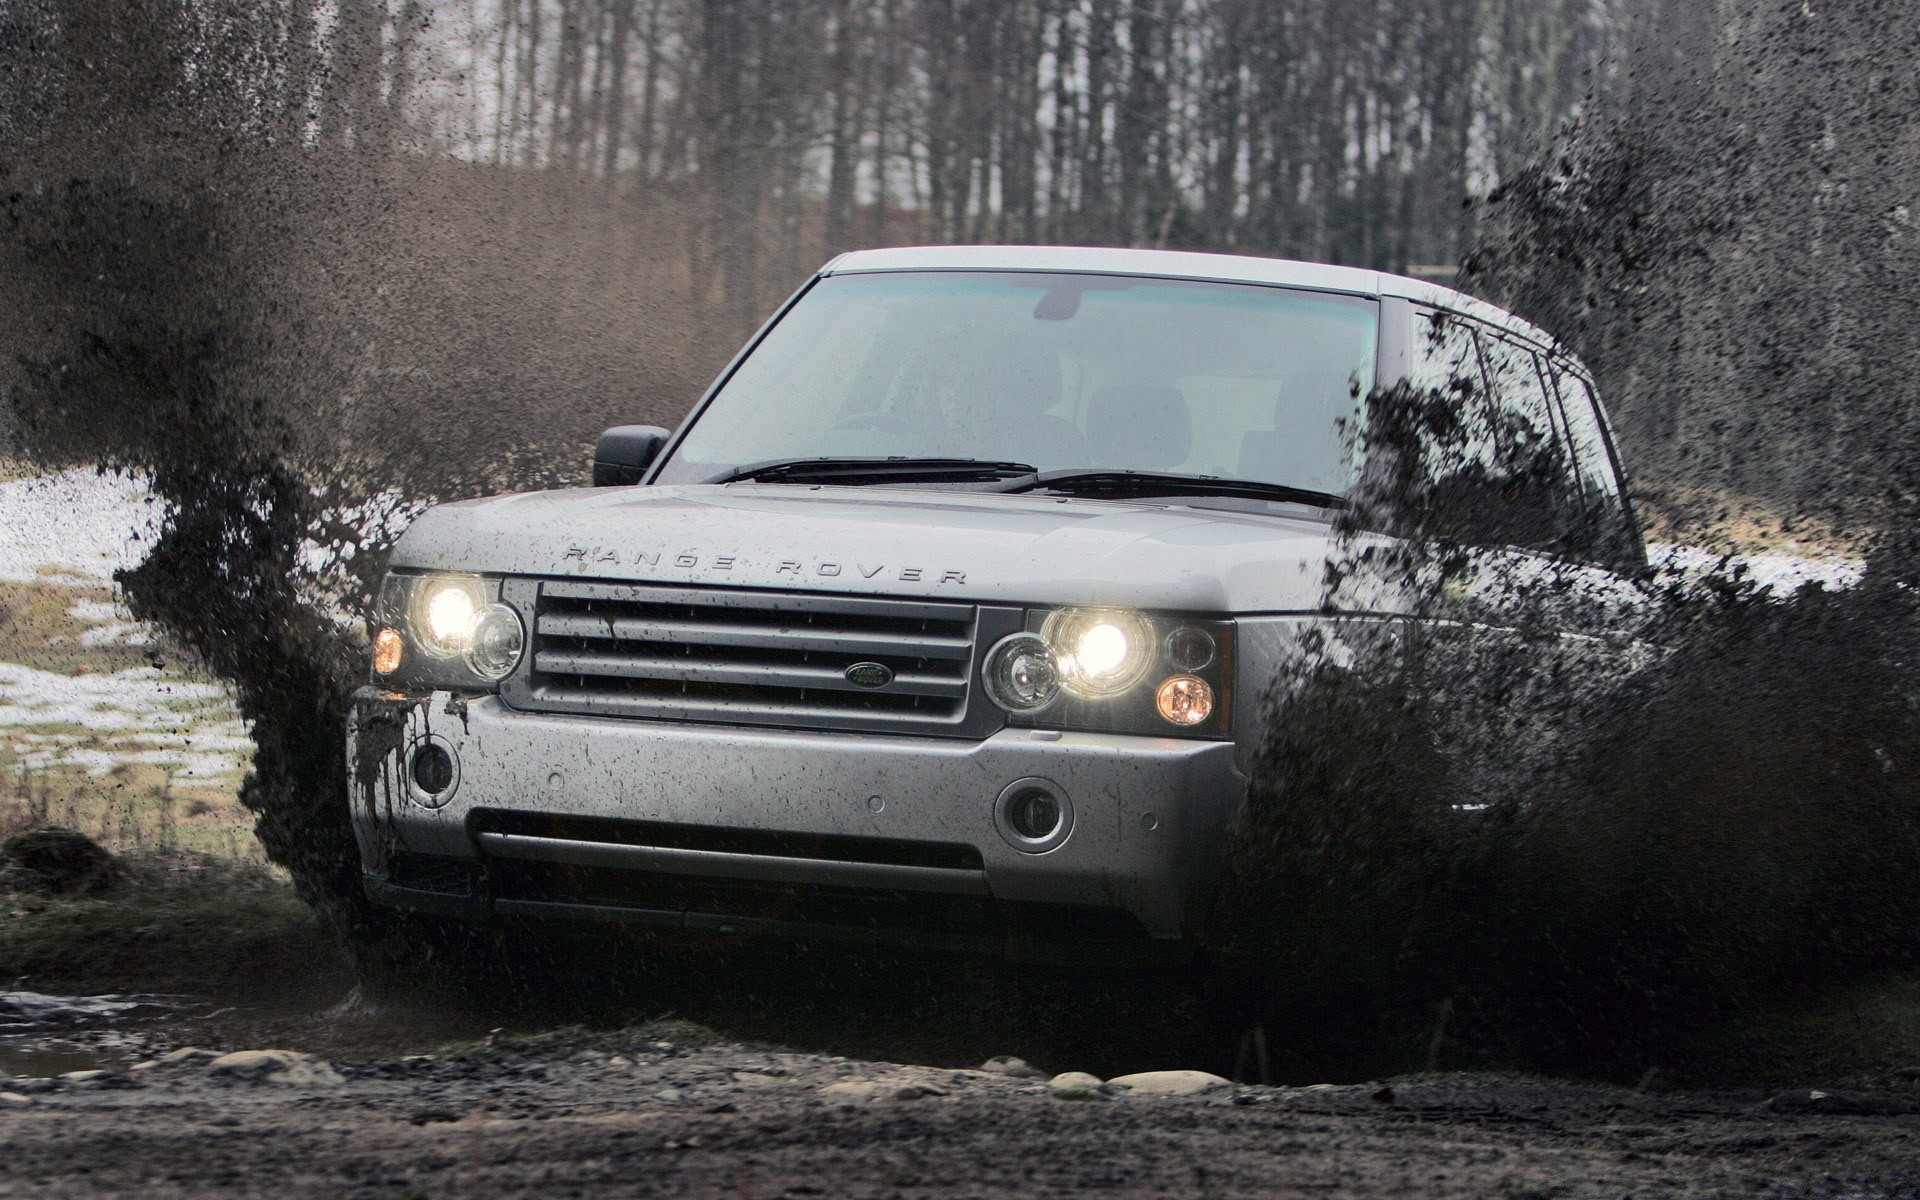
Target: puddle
x=46, y=1035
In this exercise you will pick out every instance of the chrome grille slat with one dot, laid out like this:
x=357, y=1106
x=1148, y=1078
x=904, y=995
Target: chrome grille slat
x=787, y=602
x=741, y=657
x=694, y=670
x=789, y=637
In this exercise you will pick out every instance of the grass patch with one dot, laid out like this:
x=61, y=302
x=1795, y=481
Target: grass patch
x=175, y=922
x=38, y=630
x=132, y=809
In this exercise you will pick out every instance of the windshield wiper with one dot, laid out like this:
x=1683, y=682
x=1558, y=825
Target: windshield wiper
x=1153, y=483
x=878, y=470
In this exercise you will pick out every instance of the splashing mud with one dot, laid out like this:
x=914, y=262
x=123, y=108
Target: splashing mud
x=1572, y=826
x=1574, y=813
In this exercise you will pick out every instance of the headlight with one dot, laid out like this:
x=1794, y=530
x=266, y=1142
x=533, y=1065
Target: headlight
x=1114, y=671
x=443, y=612
x=445, y=631
x=1102, y=653
x=1022, y=675
x=496, y=643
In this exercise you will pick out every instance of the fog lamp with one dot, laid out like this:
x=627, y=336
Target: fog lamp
x=444, y=613
x=1185, y=700
x=389, y=648
x=496, y=643
x=1101, y=653
x=1021, y=674
x=1034, y=815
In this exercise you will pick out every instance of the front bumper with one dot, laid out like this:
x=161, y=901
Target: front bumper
x=654, y=822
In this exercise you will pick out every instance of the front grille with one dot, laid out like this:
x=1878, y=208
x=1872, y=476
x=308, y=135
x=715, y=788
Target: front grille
x=742, y=657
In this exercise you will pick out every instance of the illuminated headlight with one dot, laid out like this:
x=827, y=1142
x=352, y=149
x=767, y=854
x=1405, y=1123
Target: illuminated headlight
x=445, y=631
x=1102, y=652
x=443, y=612
x=1114, y=671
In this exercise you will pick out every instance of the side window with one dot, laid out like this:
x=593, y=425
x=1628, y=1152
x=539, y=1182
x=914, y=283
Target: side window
x=1593, y=459
x=1489, y=442
x=1538, y=453
x=1456, y=427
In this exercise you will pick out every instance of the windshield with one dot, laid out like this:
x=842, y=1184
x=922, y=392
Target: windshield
x=1054, y=371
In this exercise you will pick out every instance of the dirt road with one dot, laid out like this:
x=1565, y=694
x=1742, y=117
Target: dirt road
x=642, y=1115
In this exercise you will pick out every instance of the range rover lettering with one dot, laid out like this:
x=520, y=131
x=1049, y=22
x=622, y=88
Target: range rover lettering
x=946, y=616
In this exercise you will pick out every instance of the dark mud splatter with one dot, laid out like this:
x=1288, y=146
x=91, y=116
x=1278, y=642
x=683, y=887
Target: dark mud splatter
x=1487, y=841
x=296, y=341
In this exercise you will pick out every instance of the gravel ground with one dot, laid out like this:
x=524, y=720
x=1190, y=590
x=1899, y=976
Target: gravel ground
x=627, y=1115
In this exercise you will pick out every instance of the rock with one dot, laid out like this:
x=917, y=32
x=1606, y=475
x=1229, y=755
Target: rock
x=1077, y=1085
x=1006, y=1064
x=71, y=1077
x=274, y=1066
x=57, y=862
x=185, y=1058
x=13, y=1100
x=669, y=1095
x=863, y=1091
x=1171, y=1083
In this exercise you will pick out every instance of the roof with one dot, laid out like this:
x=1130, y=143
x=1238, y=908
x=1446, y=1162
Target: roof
x=1177, y=264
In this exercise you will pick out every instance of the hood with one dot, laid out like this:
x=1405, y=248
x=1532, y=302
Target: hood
x=982, y=548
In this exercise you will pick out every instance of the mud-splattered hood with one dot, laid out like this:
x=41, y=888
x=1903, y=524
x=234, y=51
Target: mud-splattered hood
x=1024, y=549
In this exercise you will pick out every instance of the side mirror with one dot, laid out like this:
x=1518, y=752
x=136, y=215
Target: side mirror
x=623, y=454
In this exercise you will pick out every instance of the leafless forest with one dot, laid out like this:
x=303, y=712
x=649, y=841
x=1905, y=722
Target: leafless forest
x=578, y=206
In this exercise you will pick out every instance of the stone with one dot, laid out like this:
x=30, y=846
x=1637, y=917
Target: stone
x=1077, y=1085
x=850, y=1091
x=1171, y=1083
x=185, y=1058
x=1006, y=1064
x=13, y=1100
x=82, y=1076
x=274, y=1066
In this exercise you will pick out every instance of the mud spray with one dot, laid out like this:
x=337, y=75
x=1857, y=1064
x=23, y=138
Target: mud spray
x=1507, y=846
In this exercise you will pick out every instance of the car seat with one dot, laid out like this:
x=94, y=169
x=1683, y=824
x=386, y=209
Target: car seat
x=1307, y=445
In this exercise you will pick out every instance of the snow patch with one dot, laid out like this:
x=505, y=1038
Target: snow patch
x=75, y=527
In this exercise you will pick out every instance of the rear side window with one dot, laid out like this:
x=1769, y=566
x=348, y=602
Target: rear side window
x=1593, y=459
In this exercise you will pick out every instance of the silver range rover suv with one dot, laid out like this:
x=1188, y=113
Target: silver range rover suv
x=945, y=618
